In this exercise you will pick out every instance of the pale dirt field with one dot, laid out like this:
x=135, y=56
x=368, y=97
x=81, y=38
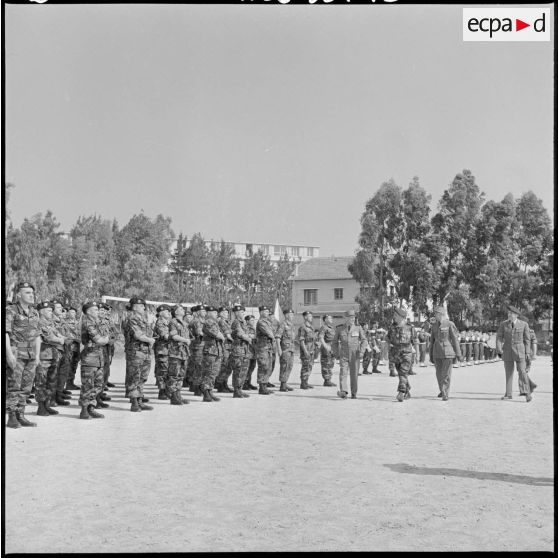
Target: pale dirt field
x=302, y=470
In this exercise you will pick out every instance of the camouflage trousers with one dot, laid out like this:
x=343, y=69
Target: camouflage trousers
x=251, y=367
x=19, y=383
x=176, y=372
x=211, y=366
x=403, y=363
x=106, y=365
x=306, y=368
x=264, y=360
x=370, y=356
x=196, y=359
x=327, y=361
x=138, y=365
x=239, y=365
x=286, y=361
x=226, y=366
x=73, y=361
x=91, y=384
x=46, y=380
x=62, y=371
x=161, y=370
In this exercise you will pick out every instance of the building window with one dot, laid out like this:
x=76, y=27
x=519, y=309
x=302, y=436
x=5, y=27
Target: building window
x=310, y=252
x=338, y=294
x=294, y=250
x=310, y=297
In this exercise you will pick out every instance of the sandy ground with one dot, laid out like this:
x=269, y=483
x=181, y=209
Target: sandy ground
x=302, y=470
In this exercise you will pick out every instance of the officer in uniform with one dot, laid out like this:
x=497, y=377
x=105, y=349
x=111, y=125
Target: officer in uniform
x=265, y=342
x=444, y=347
x=178, y=353
x=533, y=349
x=213, y=341
x=240, y=351
x=196, y=348
x=325, y=337
x=221, y=383
x=347, y=345
x=513, y=343
x=285, y=337
x=251, y=327
x=72, y=345
x=138, y=354
x=306, y=339
x=92, y=361
x=401, y=338
x=161, y=332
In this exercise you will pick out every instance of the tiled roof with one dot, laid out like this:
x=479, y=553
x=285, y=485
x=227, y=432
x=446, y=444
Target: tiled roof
x=334, y=267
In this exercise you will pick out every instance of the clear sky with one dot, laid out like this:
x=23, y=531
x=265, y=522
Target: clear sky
x=264, y=123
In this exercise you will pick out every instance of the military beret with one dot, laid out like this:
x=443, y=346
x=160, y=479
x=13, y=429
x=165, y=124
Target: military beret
x=350, y=313
x=238, y=307
x=137, y=300
x=24, y=285
x=45, y=304
x=401, y=312
x=88, y=305
x=162, y=307
x=222, y=308
x=262, y=308
x=174, y=308
x=306, y=312
x=514, y=309
x=194, y=308
x=288, y=311
x=56, y=301
x=210, y=308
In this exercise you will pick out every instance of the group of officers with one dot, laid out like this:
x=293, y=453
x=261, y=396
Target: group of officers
x=199, y=348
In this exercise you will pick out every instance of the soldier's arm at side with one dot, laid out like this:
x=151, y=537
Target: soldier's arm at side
x=455, y=341
x=10, y=358
x=500, y=338
x=527, y=342
x=335, y=344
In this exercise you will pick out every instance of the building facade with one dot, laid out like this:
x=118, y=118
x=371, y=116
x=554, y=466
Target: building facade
x=324, y=286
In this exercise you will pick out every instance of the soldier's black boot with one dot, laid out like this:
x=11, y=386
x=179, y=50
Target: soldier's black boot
x=176, y=399
x=104, y=396
x=61, y=401
x=162, y=395
x=283, y=387
x=219, y=386
x=67, y=392
x=329, y=383
x=400, y=396
x=100, y=404
x=12, y=421
x=135, y=405
x=263, y=389
x=48, y=406
x=110, y=385
x=143, y=406
x=84, y=414
x=237, y=393
x=72, y=386
x=42, y=411
x=207, y=396
x=20, y=415
x=93, y=413
x=198, y=390
x=63, y=395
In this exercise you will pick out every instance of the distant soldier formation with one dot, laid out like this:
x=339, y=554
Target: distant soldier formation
x=200, y=348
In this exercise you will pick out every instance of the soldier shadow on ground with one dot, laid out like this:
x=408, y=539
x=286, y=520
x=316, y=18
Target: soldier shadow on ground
x=480, y=475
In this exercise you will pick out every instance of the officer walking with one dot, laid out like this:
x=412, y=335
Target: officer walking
x=401, y=338
x=513, y=344
x=444, y=348
x=348, y=343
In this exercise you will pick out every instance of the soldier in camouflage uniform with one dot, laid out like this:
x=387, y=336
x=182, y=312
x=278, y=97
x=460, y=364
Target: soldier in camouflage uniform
x=138, y=354
x=126, y=334
x=73, y=338
x=401, y=337
x=265, y=341
x=240, y=351
x=62, y=365
x=327, y=360
x=161, y=333
x=213, y=341
x=533, y=348
x=45, y=375
x=106, y=329
x=306, y=339
x=92, y=361
x=275, y=327
x=251, y=327
x=221, y=383
x=285, y=337
x=23, y=344
x=196, y=348
x=179, y=352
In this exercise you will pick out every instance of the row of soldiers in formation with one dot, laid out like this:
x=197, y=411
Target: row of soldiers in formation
x=198, y=348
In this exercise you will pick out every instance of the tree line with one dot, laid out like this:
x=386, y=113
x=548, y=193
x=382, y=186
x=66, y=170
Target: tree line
x=474, y=254
x=98, y=257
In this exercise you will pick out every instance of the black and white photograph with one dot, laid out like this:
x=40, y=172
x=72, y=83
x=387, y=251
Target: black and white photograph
x=333, y=221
